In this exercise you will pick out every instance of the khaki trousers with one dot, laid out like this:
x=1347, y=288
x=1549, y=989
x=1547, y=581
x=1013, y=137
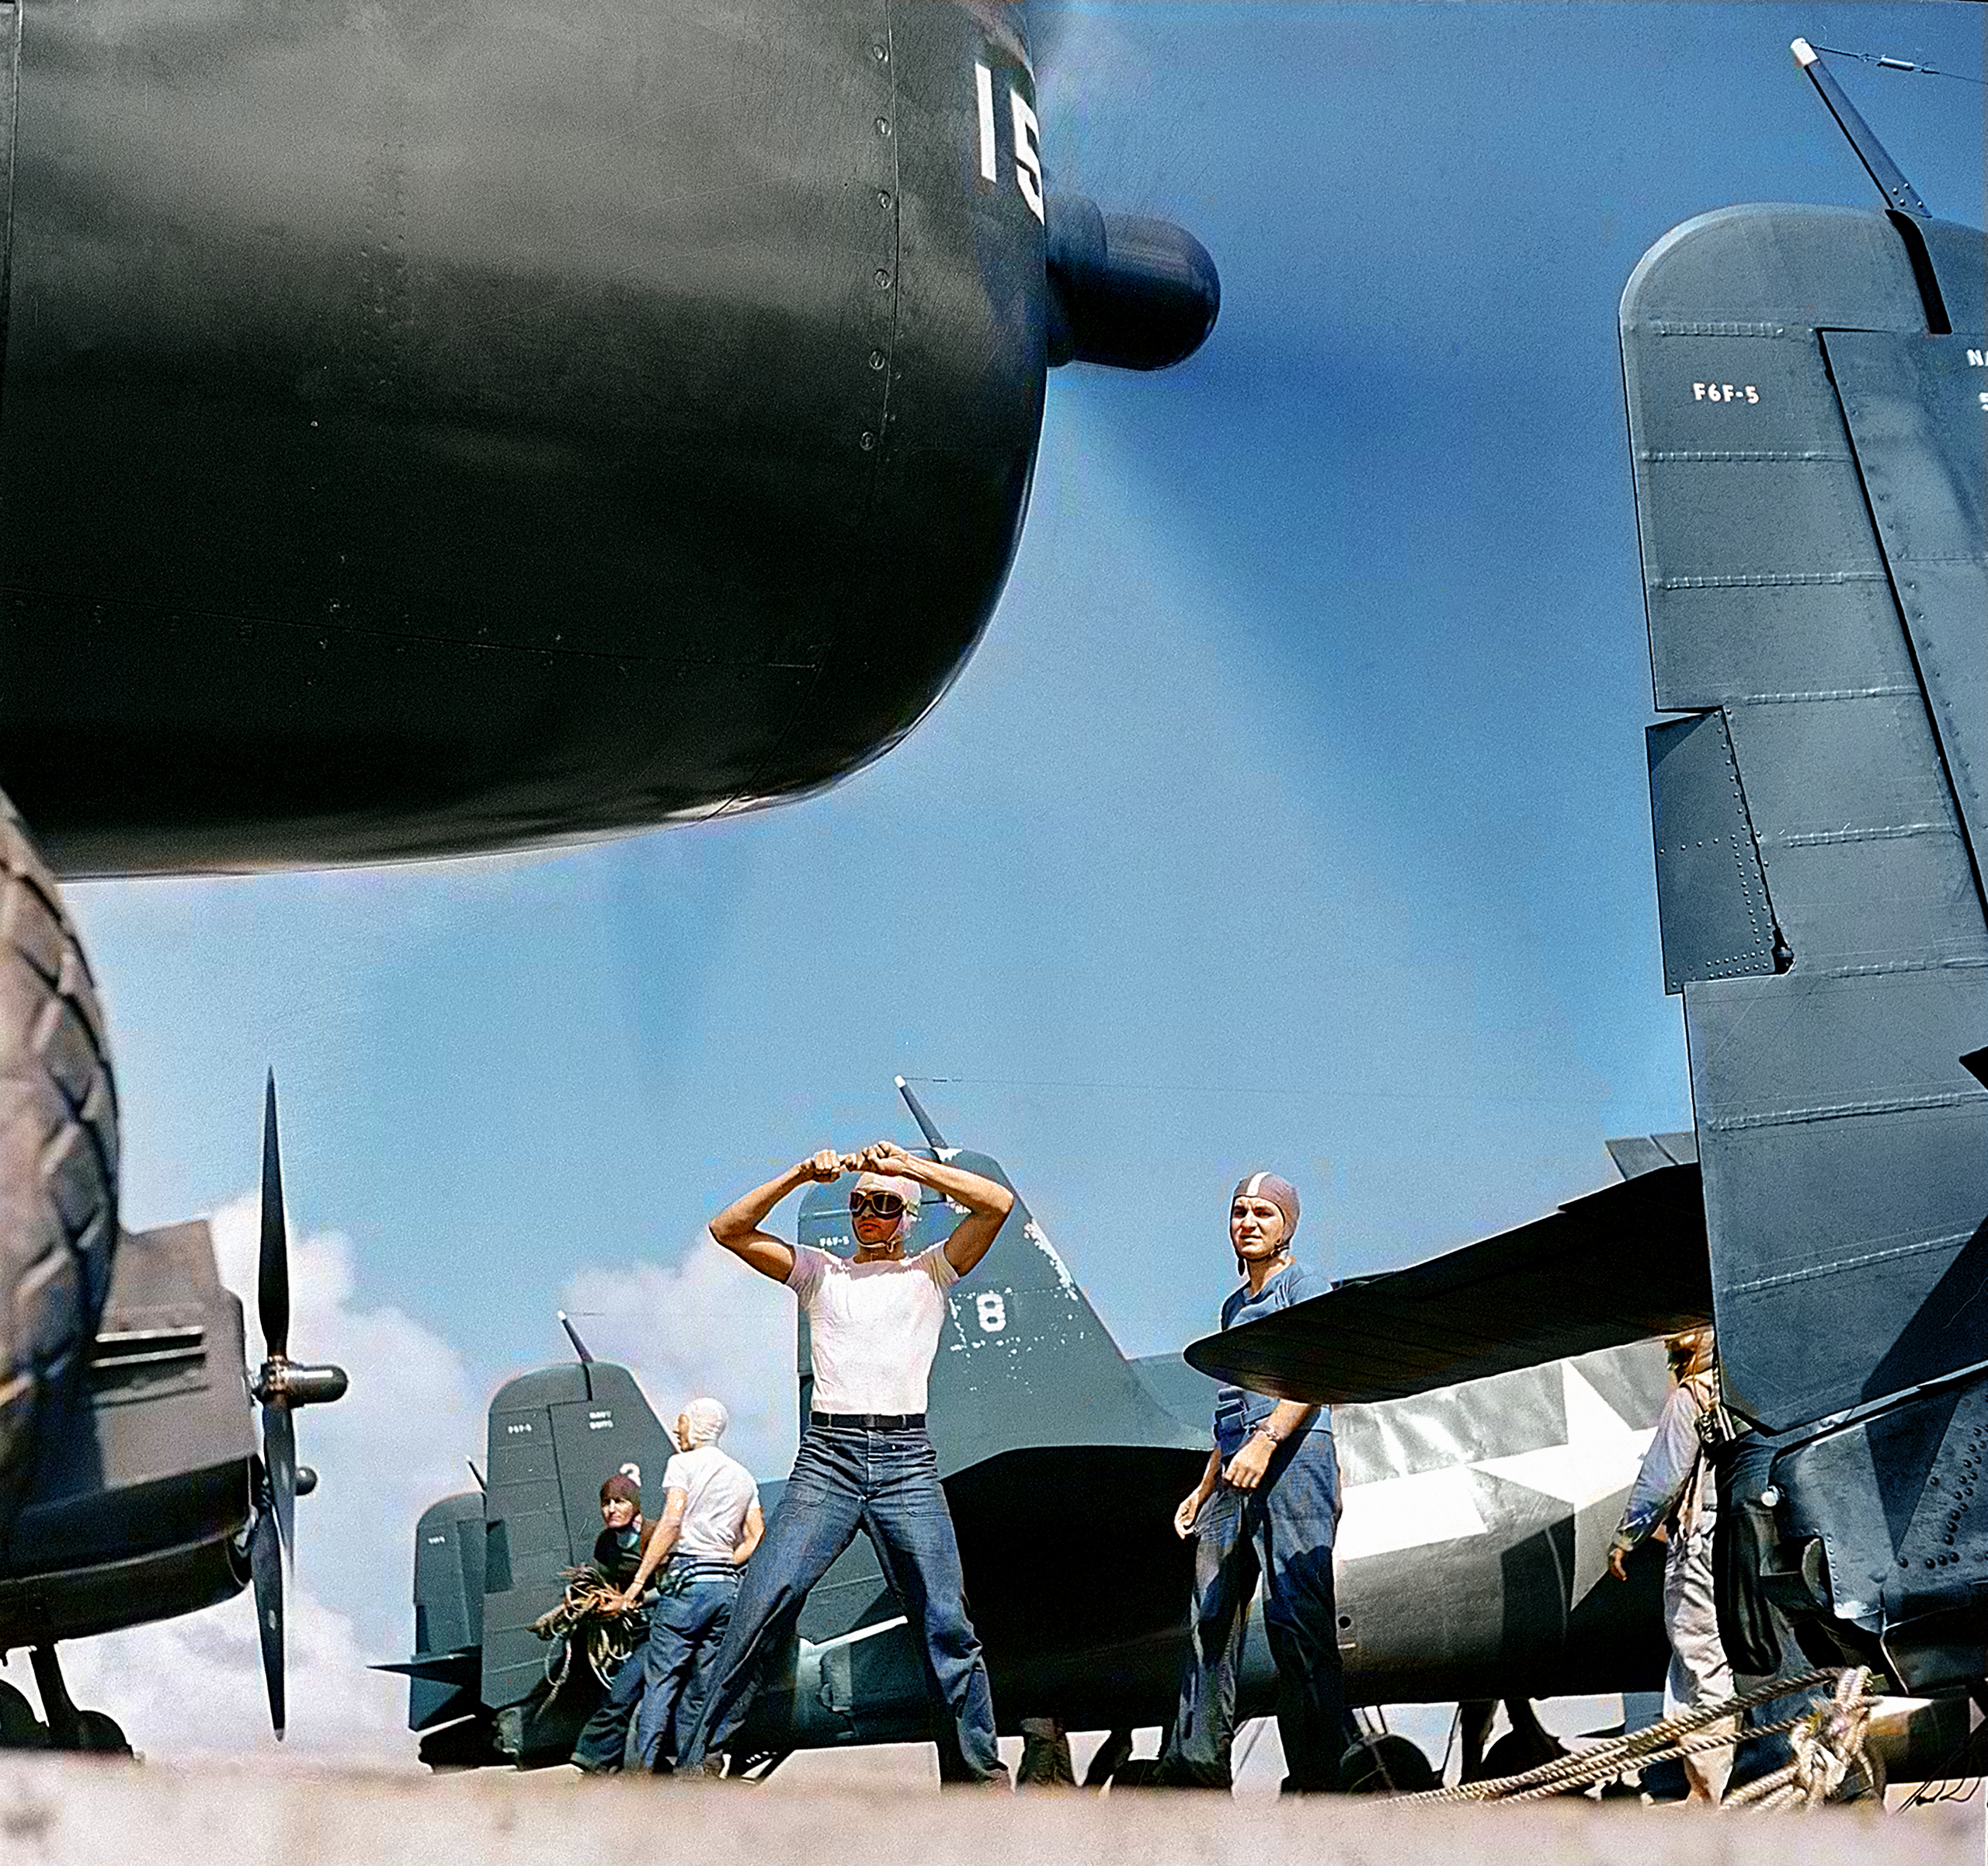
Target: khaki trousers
x=1699, y=1673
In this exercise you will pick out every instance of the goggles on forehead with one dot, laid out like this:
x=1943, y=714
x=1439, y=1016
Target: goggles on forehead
x=875, y=1205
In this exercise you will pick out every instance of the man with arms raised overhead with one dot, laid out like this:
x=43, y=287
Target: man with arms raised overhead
x=865, y=1460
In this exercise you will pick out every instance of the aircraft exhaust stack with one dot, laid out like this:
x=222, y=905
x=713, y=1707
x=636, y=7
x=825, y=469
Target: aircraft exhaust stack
x=1125, y=290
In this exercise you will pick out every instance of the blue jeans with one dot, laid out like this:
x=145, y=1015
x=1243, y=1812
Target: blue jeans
x=686, y=1626
x=1282, y=1530
x=604, y=1736
x=887, y=1485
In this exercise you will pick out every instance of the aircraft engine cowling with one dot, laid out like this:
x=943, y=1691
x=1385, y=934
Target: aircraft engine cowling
x=452, y=425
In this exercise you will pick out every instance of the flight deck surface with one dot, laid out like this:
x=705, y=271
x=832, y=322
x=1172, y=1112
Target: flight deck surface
x=62, y=1813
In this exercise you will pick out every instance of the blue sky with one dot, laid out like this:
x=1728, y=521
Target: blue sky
x=1293, y=813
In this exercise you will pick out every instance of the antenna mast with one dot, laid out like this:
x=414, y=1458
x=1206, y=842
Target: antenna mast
x=1892, y=184
x=933, y=1138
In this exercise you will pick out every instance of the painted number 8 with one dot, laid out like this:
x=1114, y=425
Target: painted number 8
x=993, y=1312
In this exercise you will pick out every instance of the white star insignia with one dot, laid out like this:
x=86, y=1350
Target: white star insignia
x=1595, y=1466
x=1599, y=1460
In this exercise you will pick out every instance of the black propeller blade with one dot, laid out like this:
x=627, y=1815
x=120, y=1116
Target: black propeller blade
x=272, y=1269
x=265, y=1567
x=280, y=1460
x=282, y=1385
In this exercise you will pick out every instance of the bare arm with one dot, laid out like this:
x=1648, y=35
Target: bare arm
x=1191, y=1504
x=1247, y=1468
x=755, y=1527
x=987, y=1204
x=667, y=1531
x=737, y=1228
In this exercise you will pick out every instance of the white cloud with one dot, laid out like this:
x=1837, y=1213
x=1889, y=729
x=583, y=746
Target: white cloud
x=392, y=1446
x=706, y=1324
x=193, y=1686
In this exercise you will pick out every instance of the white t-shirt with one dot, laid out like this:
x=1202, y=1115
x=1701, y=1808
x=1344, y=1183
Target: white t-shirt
x=717, y=1492
x=874, y=1327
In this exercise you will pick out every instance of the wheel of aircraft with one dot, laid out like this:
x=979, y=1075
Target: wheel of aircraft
x=99, y=1734
x=19, y=1727
x=1525, y=1745
x=58, y=1152
x=1384, y=1763
x=1109, y=1757
x=87, y=1732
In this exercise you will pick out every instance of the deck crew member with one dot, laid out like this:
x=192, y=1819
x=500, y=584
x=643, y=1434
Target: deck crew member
x=865, y=1460
x=710, y=1523
x=1676, y=1491
x=625, y=1536
x=1267, y=1504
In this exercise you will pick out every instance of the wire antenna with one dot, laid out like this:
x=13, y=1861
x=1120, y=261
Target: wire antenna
x=1887, y=63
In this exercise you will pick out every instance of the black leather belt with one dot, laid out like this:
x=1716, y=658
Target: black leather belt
x=871, y=1422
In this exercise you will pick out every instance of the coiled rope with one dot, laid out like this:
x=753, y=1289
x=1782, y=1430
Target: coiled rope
x=1828, y=1742
x=588, y=1616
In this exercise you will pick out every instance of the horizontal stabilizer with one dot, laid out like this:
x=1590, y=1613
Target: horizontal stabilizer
x=464, y=1669
x=1638, y=1153
x=1617, y=1265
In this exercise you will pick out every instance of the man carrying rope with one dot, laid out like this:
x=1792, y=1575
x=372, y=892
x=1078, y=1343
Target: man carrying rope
x=618, y=1550
x=1675, y=1492
x=710, y=1525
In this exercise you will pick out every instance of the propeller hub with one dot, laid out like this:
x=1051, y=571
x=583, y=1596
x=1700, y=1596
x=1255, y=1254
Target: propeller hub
x=1134, y=293
x=281, y=1381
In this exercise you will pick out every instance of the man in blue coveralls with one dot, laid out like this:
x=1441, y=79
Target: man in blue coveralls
x=1267, y=1504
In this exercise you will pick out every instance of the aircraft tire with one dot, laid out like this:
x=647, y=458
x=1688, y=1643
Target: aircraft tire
x=58, y=1152
x=98, y=1734
x=19, y=1727
x=1386, y=1764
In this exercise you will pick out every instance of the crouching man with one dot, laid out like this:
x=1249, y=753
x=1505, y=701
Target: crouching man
x=865, y=1460
x=710, y=1523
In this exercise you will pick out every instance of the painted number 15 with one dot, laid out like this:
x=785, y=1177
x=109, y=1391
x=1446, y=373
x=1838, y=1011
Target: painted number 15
x=1028, y=139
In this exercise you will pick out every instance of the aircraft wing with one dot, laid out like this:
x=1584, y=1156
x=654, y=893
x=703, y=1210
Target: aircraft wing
x=1614, y=1266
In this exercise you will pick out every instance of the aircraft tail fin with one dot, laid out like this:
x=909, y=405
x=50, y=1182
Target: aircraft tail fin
x=1809, y=480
